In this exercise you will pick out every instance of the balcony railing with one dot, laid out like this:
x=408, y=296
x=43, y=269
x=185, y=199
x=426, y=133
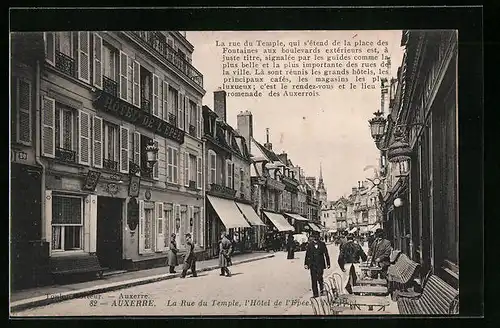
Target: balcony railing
x=110, y=86
x=65, y=155
x=110, y=165
x=146, y=105
x=192, y=130
x=222, y=190
x=65, y=64
x=172, y=119
x=157, y=42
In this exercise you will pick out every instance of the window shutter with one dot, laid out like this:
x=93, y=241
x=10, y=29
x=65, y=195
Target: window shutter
x=170, y=163
x=98, y=68
x=48, y=217
x=165, y=101
x=83, y=56
x=202, y=226
x=198, y=121
x=98, y=147
x=183, y=224
x=136, y=94
x=186, y=169
x=191, y=228
x=232, y=175
x=175, y=154
x=180, y=114
x=160, y=232
x=84, y=145
x=166, y=225
x=187, y=122
x=199, y=172
x=93, y=224
x=23, y=112
x=155, y=95
x=124, y=144
x=123, y=76
x=156, y=174
x=142, y=223
x=48, y=126
x=137, y=149
x=50, y=47
x=160, y=98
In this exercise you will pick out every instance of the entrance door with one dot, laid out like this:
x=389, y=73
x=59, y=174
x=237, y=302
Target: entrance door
x=109, y=232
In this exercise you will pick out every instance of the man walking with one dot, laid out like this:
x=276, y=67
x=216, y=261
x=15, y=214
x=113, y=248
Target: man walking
x=225, y=251
x=190, y=260
x=380, y=253
x=349, y=255
x=315, y=258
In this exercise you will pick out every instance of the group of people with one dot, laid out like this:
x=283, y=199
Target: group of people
x=225, y=252
x=351, y=253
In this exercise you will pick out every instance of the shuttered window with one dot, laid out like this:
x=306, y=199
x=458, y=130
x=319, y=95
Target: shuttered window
x=97, y=63
x=84, y=56
x=124, y=149
x=172, y=165
x=22, y=104
x=98, y=142
x=199, y=172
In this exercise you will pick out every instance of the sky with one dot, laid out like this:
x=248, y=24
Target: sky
x=331, y=129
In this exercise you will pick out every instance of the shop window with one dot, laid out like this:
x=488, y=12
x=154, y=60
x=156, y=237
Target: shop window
x=67, y=223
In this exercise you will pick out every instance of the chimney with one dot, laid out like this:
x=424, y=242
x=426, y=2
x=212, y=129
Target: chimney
x=245, y=127
x=284, y=158
x=220, y=104
x=354, y=190
x=268, y=145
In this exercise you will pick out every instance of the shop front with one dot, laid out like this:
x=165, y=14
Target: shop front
x=223, y=215
x=298, y=221
x=258, y=227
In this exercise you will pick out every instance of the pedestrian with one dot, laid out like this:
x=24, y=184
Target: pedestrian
x=343, y=238
x=348, y=261
x=172, y=254
x=290, y=247
x=225, y=252
x=316, y=260
x=190, y=260
x=380, y=253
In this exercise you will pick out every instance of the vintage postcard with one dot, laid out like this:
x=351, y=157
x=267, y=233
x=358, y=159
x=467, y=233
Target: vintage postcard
x=198, y=173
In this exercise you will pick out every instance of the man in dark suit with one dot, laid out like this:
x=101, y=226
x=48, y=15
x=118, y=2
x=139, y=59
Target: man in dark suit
x=316, y=260
x=190, y=260
x=380, y=253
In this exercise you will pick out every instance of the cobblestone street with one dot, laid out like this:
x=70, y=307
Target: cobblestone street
x=254, y=289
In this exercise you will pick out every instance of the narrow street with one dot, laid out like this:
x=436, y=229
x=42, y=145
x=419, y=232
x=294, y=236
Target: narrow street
x=253, y=289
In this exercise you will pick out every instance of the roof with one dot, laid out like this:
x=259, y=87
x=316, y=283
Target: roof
x=268, y=153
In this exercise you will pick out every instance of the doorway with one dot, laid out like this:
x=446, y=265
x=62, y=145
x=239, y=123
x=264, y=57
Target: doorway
x=109, y=232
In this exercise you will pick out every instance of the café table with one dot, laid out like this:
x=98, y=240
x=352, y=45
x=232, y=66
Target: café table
x=367, y=268
x=369, y=290
x=357, y=301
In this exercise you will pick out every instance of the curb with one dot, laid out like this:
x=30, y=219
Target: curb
x=44, y=300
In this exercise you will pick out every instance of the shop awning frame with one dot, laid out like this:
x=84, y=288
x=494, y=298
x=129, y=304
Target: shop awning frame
x=314, y=227
x=250, y=215
x=228, y=212
x=279, y=221
x=296, y=217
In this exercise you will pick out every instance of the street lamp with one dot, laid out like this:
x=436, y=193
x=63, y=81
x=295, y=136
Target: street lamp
x=151, y=154
x=377, y=127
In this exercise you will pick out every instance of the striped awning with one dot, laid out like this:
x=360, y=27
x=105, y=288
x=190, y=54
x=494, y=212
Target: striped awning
x=314, y=227
x=228, y=212
x=296, y=217
x=250, y=214
x=279, y=221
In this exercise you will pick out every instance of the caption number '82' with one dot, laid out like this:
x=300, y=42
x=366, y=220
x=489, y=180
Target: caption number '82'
x=93, y=303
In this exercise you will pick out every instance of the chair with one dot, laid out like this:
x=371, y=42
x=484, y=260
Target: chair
x=413, y=294
x=318, y=306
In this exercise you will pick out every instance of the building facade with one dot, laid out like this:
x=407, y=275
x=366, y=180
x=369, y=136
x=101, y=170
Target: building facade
x=420, y=194
x=105, y=100
x=228, y=182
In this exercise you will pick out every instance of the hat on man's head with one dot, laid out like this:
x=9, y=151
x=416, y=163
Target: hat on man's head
x=379, y=232
x=188, y=235
x=172, y=235
x=350, y=236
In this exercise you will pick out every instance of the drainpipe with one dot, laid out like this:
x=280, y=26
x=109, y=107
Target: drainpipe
x=38, y=146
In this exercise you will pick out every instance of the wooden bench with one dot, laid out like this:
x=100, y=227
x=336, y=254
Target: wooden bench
x=415, y=292
x=72, y=265
x=437, y=298
x=400, y=275
x=370, y=290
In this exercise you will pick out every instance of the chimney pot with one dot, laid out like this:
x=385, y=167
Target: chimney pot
x=220, y=104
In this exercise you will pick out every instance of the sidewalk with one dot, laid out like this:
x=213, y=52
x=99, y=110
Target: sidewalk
x=28, y=298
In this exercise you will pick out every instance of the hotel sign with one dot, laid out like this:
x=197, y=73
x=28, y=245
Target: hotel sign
x=134, y=115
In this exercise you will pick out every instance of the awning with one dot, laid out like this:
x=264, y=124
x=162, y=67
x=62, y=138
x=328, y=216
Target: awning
x=353, y=230
x=250, y=214
x=314, y=227
x=228, y=212
x=279, y=221
x=297, y=217
x=374, y=227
